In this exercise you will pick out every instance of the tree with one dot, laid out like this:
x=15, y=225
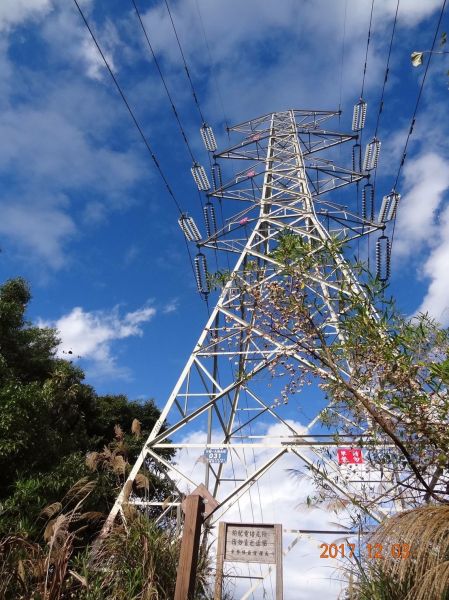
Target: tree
x=385, y=374
x=65, y=452
x=50, y=418
x=26, y=352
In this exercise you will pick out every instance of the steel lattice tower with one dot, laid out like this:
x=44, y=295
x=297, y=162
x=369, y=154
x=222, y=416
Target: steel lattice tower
x=223, y=391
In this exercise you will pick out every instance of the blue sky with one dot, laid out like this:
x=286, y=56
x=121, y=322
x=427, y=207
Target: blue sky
x=85, y=216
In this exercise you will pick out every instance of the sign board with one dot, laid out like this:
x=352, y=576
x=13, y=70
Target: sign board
x=349, y=456
x=216, y=455
x=249, y=543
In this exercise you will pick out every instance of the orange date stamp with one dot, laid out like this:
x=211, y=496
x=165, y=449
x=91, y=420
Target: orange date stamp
x=400, y=551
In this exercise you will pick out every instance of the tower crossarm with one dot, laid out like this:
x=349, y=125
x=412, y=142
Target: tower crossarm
x=233, y=380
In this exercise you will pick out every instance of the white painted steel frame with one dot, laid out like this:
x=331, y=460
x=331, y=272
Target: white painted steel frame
x=286, y=203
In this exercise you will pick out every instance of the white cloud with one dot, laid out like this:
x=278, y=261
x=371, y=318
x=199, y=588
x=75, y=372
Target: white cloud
x=91, y=335
x=426, y=178
x=56, y=143
x=49, y=157
x=67, y=30
x=171, y=306
x=62, y=163
x=94, y=63
x=52, y=159
x=436, y=268
x=277, y=498
x=41, y=229
x=422, y=229
x=13, y=12
x=411, y=12
x=300, y=44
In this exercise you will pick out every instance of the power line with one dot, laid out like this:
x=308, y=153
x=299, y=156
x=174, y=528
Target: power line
x=415, y=111
x=195, y=96
x=387, y=72
x=136, y=123
x=367, y=48
x=211, y=62
x=365, y=66
x=131, y=112
x=418, y=99
x=387, y=69
x=186, y=68
x=170, y=98
x=342, y=56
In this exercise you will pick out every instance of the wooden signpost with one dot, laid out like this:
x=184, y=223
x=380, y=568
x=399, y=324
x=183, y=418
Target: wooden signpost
x=188, y=558
x=249, y=543
x=196, y=506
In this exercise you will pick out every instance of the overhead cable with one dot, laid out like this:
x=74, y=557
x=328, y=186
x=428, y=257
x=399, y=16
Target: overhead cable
x=387, y=70
x=415, y=111
x=343, y=43
x=156, y=62
x=211, y=62
x=135, y=121
x=169, y=96
x=131, y=112
x=186, y=68
x=367, y=48
x=418, y=99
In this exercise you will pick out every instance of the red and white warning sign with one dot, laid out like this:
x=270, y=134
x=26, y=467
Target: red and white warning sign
x=349, y=456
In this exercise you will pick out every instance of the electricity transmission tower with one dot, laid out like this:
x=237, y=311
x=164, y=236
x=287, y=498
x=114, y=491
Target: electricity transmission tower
x=213, y=418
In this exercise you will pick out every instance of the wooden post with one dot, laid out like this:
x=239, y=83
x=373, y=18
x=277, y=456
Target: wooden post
x=278, y=550
x=188, y=558
x=220, y=561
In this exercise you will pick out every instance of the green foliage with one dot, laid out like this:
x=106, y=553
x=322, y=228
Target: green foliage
x=371, y=582
x=111, y=410
x=132, y=559
x=29, y=494
x=440, y=370
x=26, y=352
x=136, y=563
x=56, y=452
x=399, y=368
x=218, y=280
x=298, y=255
x=50, y=418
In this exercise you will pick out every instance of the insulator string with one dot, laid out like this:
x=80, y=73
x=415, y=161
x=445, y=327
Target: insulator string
x=383, y=258
x=209, y=133
x=382, y=95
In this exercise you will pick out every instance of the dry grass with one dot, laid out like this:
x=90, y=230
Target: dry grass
x=424, y=575
x=30, y=570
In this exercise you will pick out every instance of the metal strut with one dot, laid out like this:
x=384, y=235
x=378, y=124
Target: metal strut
x=224, y=393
